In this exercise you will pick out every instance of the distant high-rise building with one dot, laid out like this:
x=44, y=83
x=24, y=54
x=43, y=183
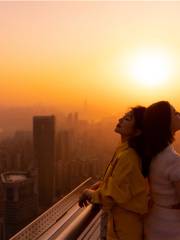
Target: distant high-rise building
x=63, y=154
x=70, y=118
x=85, y=106
x=2, y=229
x=76, y=117
x=4, y=160
x=64, y=139
x=44, y=153
x=20, y=201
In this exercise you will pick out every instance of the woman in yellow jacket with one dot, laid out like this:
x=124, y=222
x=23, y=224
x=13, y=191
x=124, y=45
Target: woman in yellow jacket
x=123, y=190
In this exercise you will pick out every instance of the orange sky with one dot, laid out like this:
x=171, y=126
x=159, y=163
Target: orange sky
x=61, y=53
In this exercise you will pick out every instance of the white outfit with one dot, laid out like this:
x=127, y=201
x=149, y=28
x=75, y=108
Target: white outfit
x=163, y=223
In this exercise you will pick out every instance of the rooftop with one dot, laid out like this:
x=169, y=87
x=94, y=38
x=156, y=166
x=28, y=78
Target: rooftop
x=14, y=177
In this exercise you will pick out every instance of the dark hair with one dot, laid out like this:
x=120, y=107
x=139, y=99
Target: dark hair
x=137, y=142
x=156, y=130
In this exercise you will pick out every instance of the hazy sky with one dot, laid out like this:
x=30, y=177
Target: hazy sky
x=61, y=53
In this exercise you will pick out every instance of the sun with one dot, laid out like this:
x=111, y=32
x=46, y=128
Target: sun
x=151, y=67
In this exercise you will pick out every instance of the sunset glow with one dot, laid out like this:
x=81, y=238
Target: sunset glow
x=114, y=54
x=151, y=67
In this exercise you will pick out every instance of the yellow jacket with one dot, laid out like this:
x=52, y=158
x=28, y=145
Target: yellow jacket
x=123, y=184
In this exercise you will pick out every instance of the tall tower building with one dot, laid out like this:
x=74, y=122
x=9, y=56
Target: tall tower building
x=63, y=155
x=2, y=232
x=20, y=201
x=64, y=142
x=44, y=151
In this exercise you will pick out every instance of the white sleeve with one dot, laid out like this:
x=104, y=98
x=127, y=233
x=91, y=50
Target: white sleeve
x=174, y=170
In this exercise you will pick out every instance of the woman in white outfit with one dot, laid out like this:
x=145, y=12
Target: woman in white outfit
x=163, y=220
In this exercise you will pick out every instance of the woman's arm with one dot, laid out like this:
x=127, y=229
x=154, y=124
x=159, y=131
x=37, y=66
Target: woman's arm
x=174, y=175
x=177, y=187
x=96, y=185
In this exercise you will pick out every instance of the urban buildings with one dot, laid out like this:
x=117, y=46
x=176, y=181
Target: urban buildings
x=57, y=156
x=20, y=201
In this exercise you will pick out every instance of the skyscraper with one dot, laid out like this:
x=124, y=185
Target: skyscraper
x=2, y=232
x=20, y=200
x=63, y=154
x=44, y=151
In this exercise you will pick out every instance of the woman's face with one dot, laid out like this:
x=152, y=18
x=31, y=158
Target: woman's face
x=125, y=126
x=175, y=120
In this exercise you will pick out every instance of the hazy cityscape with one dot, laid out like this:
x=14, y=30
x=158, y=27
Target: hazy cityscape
x=41, y=164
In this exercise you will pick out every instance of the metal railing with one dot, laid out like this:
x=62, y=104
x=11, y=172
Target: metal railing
x=80, y=224
x=93, y=230
x=54, y=214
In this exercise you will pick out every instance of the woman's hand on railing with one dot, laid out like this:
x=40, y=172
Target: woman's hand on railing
x=85, y=197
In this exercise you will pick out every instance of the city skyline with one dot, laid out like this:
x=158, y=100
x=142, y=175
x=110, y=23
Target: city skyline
x=57, y=159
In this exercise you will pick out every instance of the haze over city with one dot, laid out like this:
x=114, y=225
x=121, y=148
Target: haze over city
x=65, y=53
